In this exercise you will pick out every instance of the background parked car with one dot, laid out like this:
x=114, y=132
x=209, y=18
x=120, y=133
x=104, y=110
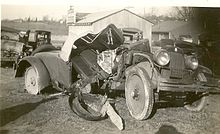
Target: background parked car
x=11, y=47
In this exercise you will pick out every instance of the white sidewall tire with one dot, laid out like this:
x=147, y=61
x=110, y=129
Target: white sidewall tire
x=148, y=92
x=32, y=80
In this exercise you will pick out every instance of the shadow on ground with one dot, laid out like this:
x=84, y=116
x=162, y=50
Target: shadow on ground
x=167, y=129
x=4, y=131
x=13, y=113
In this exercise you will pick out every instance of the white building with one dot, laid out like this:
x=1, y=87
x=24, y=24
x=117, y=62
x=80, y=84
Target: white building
x=121, y=18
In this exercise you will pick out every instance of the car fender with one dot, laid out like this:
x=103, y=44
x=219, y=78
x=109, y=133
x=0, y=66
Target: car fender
x=148, y=69
x=44, y=77
x=44, y=48
x=204, y=69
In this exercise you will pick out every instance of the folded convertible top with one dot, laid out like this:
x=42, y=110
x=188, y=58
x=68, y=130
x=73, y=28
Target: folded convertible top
x=109, y=38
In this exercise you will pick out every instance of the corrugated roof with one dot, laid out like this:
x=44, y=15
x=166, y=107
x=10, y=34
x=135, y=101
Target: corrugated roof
x=94, y=17
x=167, y=26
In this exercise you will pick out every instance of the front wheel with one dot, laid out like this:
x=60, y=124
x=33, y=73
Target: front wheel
x=139, y=94
x=81, y=103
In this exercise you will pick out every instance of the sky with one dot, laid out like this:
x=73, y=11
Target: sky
x=57, y=11
x=14, y=9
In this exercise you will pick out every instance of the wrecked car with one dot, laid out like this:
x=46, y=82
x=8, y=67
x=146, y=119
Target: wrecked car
x=93, y=68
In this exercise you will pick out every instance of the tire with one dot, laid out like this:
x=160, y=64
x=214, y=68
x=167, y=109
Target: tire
x=32, y=83
x=44, y=48
x=139, y=94
x=198, y=101
x=197, y=105
x=80, y=108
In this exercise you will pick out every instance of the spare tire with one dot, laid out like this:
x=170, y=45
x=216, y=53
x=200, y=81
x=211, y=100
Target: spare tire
x=80, y=108
x=44, y=48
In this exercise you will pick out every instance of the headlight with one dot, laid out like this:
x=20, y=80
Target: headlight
x=162, y=57
x=192, y=62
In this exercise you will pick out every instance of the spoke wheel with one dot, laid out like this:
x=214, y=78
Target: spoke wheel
x=31, y=80
x=138, y=93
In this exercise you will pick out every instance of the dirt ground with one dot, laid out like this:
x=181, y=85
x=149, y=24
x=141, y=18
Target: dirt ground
x=27, y=114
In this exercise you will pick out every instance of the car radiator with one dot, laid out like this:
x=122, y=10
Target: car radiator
x=176, y=65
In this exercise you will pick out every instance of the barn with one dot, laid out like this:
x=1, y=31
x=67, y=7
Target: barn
x=121, y=18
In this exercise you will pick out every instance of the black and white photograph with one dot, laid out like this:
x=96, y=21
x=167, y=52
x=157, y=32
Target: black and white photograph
x=110, y=67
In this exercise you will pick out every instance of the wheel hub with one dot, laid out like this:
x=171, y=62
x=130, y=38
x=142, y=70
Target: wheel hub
x=135, y=94
x=33, y=81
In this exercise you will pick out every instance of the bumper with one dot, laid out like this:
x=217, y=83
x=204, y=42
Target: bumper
x=212, y=86
x=188, y=88
x=5, y=59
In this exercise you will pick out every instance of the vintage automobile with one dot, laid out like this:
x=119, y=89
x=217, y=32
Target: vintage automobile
x=31, y=41
x=16, y=44
x=200, y=52
x=143, y=78
x=34, y=39
x=11, y=47
x=132, y=34
x=38, y=38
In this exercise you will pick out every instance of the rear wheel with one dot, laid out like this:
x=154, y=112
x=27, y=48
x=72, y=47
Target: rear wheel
x=32, y=80
x=197, y=104
x=139, y=94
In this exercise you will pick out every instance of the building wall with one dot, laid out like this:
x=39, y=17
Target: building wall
x=79, y=29
x=156, y=36
x=125, y=19
x=121, y=19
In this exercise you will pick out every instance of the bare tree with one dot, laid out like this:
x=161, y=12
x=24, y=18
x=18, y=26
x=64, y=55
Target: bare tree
x=185, y=13
x=29, y=19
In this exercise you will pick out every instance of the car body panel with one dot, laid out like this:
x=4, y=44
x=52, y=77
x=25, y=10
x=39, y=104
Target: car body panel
x=44, y=77
x=58, y=69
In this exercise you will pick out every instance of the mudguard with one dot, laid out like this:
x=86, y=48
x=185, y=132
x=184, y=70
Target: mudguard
x=149, y=70
x=44, y=48
x=204, y=69
x=44, y=77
